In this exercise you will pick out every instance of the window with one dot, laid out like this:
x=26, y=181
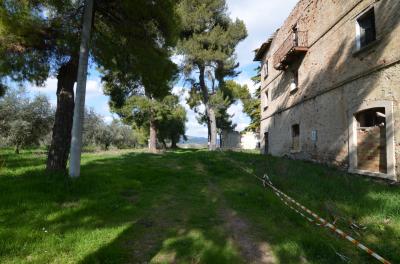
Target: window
x=314, y=136
x=295, y=81
x=265, y=69
x=371, y=118
x=366, y=31
x=296, y=137
x=266, y=100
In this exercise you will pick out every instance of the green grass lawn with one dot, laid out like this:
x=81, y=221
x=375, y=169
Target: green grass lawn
x=187, y=206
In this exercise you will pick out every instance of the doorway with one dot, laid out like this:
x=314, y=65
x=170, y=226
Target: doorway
x=371, y=140
x=266, y=143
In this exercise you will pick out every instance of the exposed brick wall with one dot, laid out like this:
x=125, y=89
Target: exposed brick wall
x=371, y=150
x=333, y=79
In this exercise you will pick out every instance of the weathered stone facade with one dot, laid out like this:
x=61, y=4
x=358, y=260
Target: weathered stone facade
x=327, y=87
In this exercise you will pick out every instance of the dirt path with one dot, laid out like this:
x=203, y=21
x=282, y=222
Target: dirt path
x=252, y=250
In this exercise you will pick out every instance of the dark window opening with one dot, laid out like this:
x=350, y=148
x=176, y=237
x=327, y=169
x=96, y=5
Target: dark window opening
x=265, y=69
x=266, y=143
x=371, y=117
x=296, y=137
x=266, y=100
x=366, y=24
x=295, y=81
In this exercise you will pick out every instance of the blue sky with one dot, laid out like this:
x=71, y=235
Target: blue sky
x=262, y=18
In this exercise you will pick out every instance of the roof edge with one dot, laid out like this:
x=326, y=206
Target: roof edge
x=260, y=52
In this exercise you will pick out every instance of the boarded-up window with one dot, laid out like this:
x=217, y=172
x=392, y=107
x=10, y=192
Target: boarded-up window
x=296, y=137
x=371, y=140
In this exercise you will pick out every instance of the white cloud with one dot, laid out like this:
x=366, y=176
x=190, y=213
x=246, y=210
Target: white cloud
x=108, y=119
x=180, y=91
x=53, y=102
x=262, y=18
x=193, y=128
x=94, y=96
x=93, y=88
x=244, y=80
x=49, y=87
x=106, y=108
x=238, y=117
x=178, y=59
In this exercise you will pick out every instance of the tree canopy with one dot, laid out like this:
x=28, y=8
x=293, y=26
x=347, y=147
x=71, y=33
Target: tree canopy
x=24, y=121
x=252, y=104
x=167, y=116
x=40, y=38
x=207, y=42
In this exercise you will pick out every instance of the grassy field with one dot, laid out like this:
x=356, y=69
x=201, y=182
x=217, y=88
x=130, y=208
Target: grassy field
x=187, y=206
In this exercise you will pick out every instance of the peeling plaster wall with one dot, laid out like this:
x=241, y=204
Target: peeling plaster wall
x=334, y=79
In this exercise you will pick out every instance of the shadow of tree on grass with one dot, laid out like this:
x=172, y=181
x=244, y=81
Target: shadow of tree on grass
x=139, y=207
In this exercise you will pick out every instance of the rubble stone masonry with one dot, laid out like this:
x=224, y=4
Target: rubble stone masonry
x=336, y=80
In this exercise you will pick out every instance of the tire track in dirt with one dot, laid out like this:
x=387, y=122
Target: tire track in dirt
x=252, y=250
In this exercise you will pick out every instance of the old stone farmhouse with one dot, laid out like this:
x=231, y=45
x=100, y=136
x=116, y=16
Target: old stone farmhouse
x=331, y=86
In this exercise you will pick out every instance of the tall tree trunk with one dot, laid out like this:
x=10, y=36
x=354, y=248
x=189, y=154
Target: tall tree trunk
x=208, y=129
x=164, y=144
x=79, y=111
x=174, y=144
x=212, y=123
x=213, y=128
x=17, y=149
x=61, y=138
x=153, y=137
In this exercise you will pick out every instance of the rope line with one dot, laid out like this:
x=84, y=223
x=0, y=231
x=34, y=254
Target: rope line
x=316, y=219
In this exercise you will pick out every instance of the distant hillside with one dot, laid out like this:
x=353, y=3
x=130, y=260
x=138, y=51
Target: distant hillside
x=195, y=140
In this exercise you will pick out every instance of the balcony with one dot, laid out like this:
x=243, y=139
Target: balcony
x=294, y=45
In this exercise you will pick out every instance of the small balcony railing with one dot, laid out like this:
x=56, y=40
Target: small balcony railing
x=296, y=43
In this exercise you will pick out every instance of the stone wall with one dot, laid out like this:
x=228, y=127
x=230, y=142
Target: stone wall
x=334, y=79
x=230, y=140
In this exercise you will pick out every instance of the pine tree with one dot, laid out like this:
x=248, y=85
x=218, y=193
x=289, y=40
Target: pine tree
x=208, y=41
x=252, y=104
x=164, y=119
x=128, y=36
x=171, y=127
